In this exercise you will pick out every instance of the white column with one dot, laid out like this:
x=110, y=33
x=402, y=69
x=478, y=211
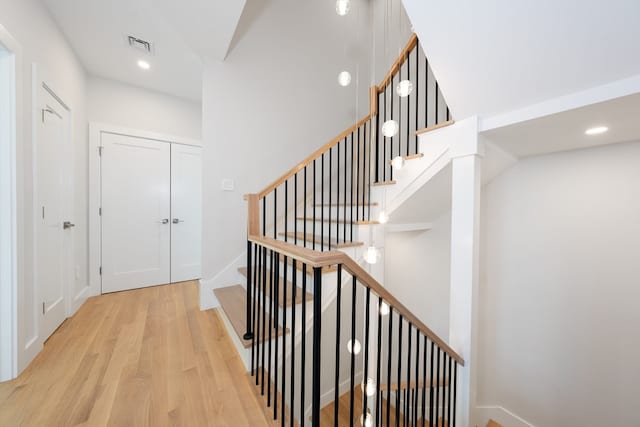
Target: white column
x=465, y=217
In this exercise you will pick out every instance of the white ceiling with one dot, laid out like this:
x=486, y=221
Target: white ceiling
x=565, y=131
x=493, y=56
x=183, y=33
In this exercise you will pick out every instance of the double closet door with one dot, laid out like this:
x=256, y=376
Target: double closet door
x=151, y=212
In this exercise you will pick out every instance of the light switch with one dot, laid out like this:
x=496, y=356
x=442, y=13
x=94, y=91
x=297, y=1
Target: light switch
x=228, y=185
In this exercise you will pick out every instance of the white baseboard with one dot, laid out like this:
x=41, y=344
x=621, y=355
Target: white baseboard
x=228, y=276
x=500, y=415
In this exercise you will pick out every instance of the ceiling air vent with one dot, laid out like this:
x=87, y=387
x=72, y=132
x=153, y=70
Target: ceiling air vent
x=139, y=44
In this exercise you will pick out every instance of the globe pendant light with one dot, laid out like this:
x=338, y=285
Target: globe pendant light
x=355, y=348
x=370, y=387
x=383, y=218
x=398, y=162
x=384, y=308
x=390, y=128
x=344, y=78
x=371, y=255
x=342, y=7
x=366, y=420
x=404, y=88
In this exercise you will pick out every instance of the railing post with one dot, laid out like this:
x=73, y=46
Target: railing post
x=317, y=323
x=248, y=335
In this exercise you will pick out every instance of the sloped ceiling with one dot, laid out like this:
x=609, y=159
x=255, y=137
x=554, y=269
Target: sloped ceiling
x=183, y=33
x=493, y=56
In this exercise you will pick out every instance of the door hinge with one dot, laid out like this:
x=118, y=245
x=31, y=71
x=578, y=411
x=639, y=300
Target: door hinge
x=99, y=211
x=100, y=150
x=43, y=308
x=100, y=270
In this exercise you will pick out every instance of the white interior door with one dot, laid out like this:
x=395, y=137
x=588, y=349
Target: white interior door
x=54, y=190
x=186, y=212
x=136, y=212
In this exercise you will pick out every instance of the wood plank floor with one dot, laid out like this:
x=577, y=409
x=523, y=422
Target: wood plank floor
x=147, y=357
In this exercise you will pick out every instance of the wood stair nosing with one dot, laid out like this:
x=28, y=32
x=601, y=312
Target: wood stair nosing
x=281, y=284
x=381, y=183
x=335, y=220
x=442, y=382
x=409, y=157
x=310, y=238
x=233, y=302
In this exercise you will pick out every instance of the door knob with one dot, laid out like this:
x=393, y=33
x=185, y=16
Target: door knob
x=67, y=224
x=176, y=220
x=165, y=221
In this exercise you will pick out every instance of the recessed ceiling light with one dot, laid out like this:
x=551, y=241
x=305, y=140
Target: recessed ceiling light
x=144, y=64
x=596, y=130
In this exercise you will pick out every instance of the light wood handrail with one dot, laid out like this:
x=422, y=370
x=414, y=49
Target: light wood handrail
x=322, y=259
x=413, y=41
x=311, y=157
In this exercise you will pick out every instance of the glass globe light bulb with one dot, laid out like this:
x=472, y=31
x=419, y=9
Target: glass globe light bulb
x=371, y=255
x=355, y=348
x=390, y=128
x=384, y=308
x=383, y=218
x=397, y=162
x=370, y=387
x=342, y=7
x=344, y=78
x=404, y=88
x=366, y=421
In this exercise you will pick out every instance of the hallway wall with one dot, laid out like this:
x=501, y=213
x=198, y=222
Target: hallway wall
x=42, y=43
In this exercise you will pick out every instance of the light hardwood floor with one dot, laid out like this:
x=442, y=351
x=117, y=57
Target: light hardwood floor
x=147, y=357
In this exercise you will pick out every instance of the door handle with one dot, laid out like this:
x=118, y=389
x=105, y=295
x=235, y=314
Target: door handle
x=176, y=220
x=67, y=224
x=165, y=221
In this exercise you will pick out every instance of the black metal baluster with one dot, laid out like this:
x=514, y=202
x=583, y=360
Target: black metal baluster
x=399, y=377
x=336, y=396
x=330, y=187
x=377, y=162
x=337, y=195
x=351, y=173
x=389, y=352
x=369, y=173
x=284, y=328
x=270, y=330
x=256, y=268
x=286, y=209
x=353, y=342
x=431, y=387
x=408, y=63
x=317, y=330
x=249, y=331
x=437, y=385
x=448, y=113
x=264, y=311
x=276, y=322
x=322, y=203
x=275, y=214
x=264, y=216
x=426, y=96
x=449, y=392
x=364, y=170
x=378, y=357
x=406, y=400
x=455, y=383
x=303, y=345
x=357, y=180
x=384, y=138
x=437, y=103
x=392, y=139
x=344, y=201
x=294, y=298
x=424, y=382
x=417, y=388
x=366, y=351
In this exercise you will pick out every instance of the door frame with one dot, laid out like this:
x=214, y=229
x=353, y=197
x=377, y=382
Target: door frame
x=11, y=212
x=40, y=80
x=95, y=187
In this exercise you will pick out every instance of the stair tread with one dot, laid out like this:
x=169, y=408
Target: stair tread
x=347, y=204
x=380, y=183
x=335, y=220
x=233, y=301
x=281, y=284
x=412, y=384
x=310, y=238
x=409, y=157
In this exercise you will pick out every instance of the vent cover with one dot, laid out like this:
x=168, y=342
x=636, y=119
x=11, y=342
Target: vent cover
x=139, y=44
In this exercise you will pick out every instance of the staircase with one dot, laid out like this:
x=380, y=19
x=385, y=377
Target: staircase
x=324, y=341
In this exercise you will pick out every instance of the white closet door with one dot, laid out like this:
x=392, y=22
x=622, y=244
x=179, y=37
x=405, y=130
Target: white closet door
x=136, y=212
x=186, y=212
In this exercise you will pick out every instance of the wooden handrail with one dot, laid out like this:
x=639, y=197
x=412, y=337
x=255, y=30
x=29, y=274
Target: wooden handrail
x=311, y=157
x=413, y=41
x=322, y=259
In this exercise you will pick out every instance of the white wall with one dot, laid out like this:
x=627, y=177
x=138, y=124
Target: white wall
x=560, y=289
x=425, y=290
x=129, y=106
x=272, y=102
x=42, y=42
